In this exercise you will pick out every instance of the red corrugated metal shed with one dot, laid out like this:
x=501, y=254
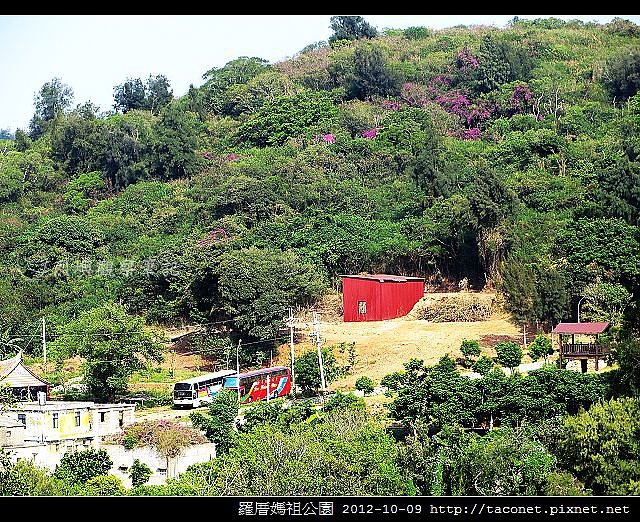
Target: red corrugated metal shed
x=581, y=328
x=376, y=297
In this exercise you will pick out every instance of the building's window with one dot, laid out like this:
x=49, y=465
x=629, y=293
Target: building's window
x=123, y=468
x=103, y=416
x=77, y=418
x=55, y=420
x=57, y=448
x=8, y=434
x=22, y=417
x=362, y=307
x=162, y=471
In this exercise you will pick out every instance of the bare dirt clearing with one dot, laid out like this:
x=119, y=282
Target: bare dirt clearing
x=384, y=346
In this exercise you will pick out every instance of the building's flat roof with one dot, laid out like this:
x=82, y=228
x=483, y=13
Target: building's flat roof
x=384, y=277
x=581, y=328
x=9, y=422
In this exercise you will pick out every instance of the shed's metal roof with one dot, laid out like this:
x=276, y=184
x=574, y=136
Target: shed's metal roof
x=384, y=277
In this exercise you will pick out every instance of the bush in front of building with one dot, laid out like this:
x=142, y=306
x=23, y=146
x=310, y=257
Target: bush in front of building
x=81, y=466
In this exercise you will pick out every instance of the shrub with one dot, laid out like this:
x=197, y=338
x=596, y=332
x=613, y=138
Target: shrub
x=365, y=384
x=483, y=365
x=509, y=354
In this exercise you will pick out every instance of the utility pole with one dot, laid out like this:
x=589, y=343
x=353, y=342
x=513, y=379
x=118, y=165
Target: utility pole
x=316, y=326
x=44, y=343
x=238, y=368
x=291, y=324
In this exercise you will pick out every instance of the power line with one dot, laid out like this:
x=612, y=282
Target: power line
x=100, y=334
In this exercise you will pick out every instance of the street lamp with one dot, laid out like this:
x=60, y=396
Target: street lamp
x=581, y=299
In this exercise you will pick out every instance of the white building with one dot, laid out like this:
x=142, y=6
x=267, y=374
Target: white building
x=42, y=432
x=52, y=428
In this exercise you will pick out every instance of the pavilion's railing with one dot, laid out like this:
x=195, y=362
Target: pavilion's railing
x=578, y=349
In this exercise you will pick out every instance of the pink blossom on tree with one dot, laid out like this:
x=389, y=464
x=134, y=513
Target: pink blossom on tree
x=470, y=134
x=371, y=133
x=520, y=99
x=465, y=60
x=329, y=138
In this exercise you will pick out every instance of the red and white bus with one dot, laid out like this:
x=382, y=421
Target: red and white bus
x=256, y=384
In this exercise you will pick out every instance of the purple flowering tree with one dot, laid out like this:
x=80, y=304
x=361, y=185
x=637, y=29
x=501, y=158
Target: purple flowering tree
x=371, y=133
x=521, y=99
x=465, y=60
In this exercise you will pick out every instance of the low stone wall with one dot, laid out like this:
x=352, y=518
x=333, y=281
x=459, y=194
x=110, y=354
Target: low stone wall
x=162, y=468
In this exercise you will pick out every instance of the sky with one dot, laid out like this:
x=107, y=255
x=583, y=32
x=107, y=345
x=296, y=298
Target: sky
x=94, y=53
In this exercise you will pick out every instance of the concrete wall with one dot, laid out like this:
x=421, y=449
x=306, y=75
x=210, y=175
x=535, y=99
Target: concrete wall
x=162, y=470
x=48, y=454
x=12, y=435
x=110, y=420
x=576, y=365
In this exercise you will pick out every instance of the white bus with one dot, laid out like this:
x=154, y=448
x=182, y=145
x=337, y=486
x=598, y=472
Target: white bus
x=198, y=390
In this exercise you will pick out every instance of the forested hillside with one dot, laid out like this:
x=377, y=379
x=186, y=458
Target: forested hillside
x=509, y=157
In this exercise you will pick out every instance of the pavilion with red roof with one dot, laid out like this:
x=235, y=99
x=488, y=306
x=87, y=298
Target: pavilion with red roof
x=581, y=350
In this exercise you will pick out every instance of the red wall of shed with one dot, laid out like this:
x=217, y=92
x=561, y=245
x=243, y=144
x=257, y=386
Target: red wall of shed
x=385, y=300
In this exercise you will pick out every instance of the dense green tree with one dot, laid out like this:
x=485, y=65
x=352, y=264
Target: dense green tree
x=509, y=354
x=518, y=284
x=504, y=462
x=113, y=344
x=25, y=479
x=133, y=94
x=371, y=75
x=628, y=357
x=307, y=368
x=219, y=421
x=605, y=302
x=53, y=98
x=499, y=62
x=304, y=114
x=601, y=447
x=350, y=28
x=540, y=347
x=104, y=486
x=257, y=286
x=483, y=365
x=79, y=467
x=622, y=74
x=139, y=473
x=470, y=348
x=218, y=80
x=129, y=96
x=344, y=453
x=365, y=385
x=176, y=139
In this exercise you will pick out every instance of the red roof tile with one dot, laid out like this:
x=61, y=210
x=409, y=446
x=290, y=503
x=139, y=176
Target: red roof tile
x=581, y=328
